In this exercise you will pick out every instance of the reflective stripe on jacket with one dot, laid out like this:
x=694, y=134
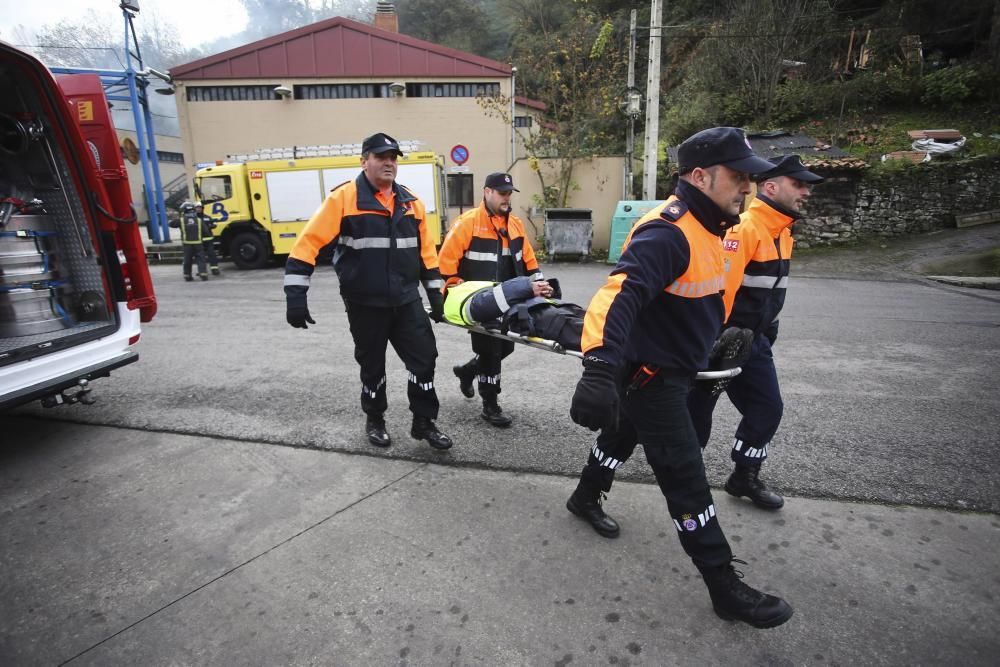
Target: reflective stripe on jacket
x=191, y=229
x=456, y=302
x=480, y=246
x=382, y=247
x=758, y=251
x=662, y=303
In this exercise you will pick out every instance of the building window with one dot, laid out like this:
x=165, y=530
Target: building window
x=167, y=156
x=340, y=91
x=452, y=89
x=232, y=93
x=522, y=121
x=460, y=191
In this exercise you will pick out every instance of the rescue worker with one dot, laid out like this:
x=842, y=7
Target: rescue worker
x=190, y=225
x=758, y=251
x=383, y=250
x=489, y=243
x=647, y=332
x=208, y=238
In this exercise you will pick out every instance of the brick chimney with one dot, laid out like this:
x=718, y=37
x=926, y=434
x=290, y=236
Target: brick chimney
x=385, y=16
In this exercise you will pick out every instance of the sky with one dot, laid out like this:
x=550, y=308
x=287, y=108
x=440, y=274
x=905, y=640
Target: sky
x=197, y=21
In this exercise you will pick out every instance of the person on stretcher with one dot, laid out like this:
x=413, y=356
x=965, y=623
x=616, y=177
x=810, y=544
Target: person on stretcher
x=520, y=305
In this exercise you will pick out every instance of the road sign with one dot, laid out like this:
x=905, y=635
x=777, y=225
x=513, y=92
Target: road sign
x=459, y=154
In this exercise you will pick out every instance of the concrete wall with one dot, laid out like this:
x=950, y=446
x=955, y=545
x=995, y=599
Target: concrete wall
x=882, y=203
x=599, y=188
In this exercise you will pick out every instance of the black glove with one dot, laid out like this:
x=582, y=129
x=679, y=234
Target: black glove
x=595, y=401
x=730, y=351
x=436, y=301
x=297, y=312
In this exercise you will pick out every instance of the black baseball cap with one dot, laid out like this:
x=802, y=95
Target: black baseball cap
x=500, y=182
x=791, y=166
x=380, y=143
x=720, y=145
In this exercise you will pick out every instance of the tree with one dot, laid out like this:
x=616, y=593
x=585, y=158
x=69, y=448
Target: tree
x=466, y=25
x=97, y=41
x=271, y=17
x=577, y=69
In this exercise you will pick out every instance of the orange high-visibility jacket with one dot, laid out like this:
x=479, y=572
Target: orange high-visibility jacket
x=758, y=251
x=662, y=304
x=382, y=245
x=482, y=246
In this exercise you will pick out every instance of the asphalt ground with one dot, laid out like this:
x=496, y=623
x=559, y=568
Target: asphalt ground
x=163, y=525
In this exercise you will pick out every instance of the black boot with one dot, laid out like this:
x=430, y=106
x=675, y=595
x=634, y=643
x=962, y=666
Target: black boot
x=188, y=279
x=735, y=601
x=745, y=481
x=423, y=428
x=586, y=504
x=494, y=415
x=466, y=374
x=375, y=429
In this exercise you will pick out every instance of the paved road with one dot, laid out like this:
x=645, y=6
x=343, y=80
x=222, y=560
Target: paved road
x=141, y=548
x=163, y=526
x=890, y=384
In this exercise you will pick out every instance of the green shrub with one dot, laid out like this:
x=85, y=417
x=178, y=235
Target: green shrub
x=952, y=85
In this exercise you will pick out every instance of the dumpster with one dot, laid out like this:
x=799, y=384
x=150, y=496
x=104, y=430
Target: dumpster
x=627, y=213
x=568, y=231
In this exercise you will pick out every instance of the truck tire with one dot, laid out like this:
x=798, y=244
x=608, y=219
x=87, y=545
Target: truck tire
x=249, y=251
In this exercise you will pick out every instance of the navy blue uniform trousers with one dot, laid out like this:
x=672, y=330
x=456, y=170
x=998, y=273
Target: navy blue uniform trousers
x=656, y=415
x=755, y=393
x=408, y=329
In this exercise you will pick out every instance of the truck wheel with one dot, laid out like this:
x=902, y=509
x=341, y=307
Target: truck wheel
x=248, y=251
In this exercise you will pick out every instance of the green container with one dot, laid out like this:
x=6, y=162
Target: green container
x=627, y=213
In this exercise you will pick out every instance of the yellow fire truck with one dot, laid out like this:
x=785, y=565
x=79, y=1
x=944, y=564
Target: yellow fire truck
x=260, y=202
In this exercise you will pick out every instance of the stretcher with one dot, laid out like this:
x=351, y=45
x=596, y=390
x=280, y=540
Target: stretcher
x=553, y=346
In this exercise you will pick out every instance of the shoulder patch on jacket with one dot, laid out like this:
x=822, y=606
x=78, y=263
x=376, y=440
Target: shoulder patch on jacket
x=674, y=211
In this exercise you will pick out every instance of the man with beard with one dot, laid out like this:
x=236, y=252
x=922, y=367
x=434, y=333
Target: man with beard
x=647, y=333
x=489, y=243
x=758, y=251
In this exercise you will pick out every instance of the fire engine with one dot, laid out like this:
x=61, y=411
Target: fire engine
x=261, y=201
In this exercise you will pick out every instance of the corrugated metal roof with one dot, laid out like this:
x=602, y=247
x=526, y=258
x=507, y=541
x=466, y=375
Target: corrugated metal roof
x=339, y=48
x=773, y=144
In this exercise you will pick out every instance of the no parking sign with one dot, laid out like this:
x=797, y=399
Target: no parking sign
x=459, y=154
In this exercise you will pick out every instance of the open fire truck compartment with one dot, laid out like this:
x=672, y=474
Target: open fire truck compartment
x=74, y=283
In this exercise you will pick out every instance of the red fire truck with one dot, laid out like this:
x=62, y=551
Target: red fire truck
x=74, y=283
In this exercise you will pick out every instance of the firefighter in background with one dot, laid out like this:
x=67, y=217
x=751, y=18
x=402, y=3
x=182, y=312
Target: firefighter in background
x=758, y=251
x=190, y=225
x=208, y=238
x=383, y=250
x=489, y=243
x=647, y=333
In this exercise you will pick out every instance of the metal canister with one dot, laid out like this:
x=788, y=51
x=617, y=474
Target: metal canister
x=27, y=250
x=32, y=309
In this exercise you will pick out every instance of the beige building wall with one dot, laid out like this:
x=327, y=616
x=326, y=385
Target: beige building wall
x=168, y=170
x=213, y=130
x=599, y=188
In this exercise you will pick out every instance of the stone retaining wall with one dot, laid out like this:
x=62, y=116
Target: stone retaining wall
x=854, y=205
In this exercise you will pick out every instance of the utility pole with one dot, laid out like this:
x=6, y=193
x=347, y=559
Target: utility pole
x=631, y=109
x=652, y=103
x=513, y=117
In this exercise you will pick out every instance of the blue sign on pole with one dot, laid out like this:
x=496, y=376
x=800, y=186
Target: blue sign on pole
x=459, y=154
